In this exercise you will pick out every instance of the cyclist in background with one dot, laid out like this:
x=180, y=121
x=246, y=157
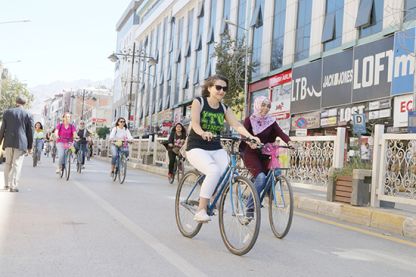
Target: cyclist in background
x=265, y=127
x=118, y=135
x=47, y=144
x=81, y=145
x=65, y=132
x=203, y=151
x=38, y=138
x=175, y=141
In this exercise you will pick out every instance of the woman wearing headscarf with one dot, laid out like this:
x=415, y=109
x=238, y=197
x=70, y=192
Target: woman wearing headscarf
x=265, y=127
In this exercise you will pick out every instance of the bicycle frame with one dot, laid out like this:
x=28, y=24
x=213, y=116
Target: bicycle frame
x=270, y=183
x=226, y=177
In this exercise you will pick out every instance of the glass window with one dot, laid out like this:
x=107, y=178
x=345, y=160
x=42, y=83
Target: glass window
x=211, y=42
x=241, y=19
x=409, y=10
x=187, y=55
x=278, y=33
x=303, y=29
x=178, y=60
x=257, y=25
x=376, y=20
x=169, y=101
x=198, y=46
x=333, y=24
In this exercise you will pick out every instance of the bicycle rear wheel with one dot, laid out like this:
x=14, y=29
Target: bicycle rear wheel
x=186, y=204
x=239, y=216
x=35, y=158
x=122, y=169
x=68, y=165
x=281, y=206
x=180, y=169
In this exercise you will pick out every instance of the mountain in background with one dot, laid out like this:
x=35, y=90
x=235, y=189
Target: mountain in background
x=43, y=92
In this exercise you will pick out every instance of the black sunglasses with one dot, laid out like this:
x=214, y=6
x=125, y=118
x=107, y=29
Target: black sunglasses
x=218, y=87
x=122, y=121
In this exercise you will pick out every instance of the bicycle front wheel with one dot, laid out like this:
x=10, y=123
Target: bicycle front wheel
x=68, y=165
x=122, y=170
x=239, y=216
x=281, y=206
x=187, y=202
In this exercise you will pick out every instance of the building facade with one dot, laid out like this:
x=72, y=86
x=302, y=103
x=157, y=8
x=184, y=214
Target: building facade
x=320, y=62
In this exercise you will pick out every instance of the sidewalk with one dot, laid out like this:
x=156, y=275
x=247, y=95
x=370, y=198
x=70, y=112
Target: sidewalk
x=394, y=221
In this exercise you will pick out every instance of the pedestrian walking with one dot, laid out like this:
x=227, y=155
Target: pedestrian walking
x=17, y=132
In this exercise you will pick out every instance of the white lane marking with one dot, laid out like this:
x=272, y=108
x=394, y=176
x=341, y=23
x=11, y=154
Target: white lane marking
x=174, y=259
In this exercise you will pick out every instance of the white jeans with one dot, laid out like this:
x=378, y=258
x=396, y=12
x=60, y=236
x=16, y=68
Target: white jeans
x=212, y=164
x=13, y=167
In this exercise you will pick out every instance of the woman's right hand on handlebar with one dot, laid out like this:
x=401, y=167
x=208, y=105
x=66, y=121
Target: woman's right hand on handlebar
x=207, y=136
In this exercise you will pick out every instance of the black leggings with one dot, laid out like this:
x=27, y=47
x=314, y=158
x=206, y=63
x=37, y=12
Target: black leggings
x=172, y=159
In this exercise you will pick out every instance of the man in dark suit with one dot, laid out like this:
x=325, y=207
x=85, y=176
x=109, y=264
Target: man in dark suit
x=17, y=132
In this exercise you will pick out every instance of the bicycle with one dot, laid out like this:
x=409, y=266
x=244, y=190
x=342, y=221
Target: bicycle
x=68, y=156
x=121, y=162
x=232, y=192
x=178, y=168
x=279, y=192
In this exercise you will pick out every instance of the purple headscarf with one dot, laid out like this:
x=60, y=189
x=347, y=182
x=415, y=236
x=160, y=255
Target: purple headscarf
x=260, y=123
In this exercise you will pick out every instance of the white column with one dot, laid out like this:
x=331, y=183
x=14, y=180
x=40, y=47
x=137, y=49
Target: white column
x=317, y=23
x=339, y=146
x=349, y=32
x=290, y=35
x=378, y=138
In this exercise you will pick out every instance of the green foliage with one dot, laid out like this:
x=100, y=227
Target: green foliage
x=10, y=89
x=103, y=132
x=231, y=58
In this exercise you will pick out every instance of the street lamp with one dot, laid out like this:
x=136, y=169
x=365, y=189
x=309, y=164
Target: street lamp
x=114, y=57
x=246, y=58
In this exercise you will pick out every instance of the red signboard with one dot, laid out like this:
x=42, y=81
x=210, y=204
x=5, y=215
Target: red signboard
x=280, y=78
x=99, y=120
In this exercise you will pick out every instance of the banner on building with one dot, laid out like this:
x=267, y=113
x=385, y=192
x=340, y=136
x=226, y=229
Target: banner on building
x=373, y=63
x=402, y=105
x=306, y=88
x=337, y=77
x=404, y=62
x=358, y=121
x=345, y=114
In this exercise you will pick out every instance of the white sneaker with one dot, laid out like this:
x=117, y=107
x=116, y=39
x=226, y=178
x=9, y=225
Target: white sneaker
x=202, y=216
x=57, y=171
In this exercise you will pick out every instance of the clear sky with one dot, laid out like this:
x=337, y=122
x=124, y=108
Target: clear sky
x=65, y=40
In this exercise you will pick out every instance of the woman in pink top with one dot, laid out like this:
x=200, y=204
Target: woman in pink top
x=65, y=132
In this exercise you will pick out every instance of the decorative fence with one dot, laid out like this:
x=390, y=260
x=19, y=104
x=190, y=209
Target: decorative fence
x=397, y=175
x=309, y=163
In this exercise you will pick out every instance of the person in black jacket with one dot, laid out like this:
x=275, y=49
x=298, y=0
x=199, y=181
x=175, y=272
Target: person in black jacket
x=176, y=140
x=17, y=132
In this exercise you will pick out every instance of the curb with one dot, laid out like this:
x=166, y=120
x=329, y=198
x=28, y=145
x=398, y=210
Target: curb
x=389, y=222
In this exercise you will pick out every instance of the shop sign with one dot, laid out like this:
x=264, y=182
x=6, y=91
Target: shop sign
x=177, y=115
x=280, y=104
x=373, y=64
x=358, y=121
x=402, y=105
x=301, y=132
x=379, y=114
x=306, y=87
x=346, y=113
x=337, y=79
x=306, y=121
x=404, y=62
x=412, y=122
x=280, y=78
x=379, y=105
x=329, y=121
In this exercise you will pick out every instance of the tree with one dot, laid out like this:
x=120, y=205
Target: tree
x=231, y=58
x=10, y=89
x=103, y=132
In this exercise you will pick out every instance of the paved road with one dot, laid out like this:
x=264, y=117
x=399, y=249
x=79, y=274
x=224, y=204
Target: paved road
x=91, y=226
